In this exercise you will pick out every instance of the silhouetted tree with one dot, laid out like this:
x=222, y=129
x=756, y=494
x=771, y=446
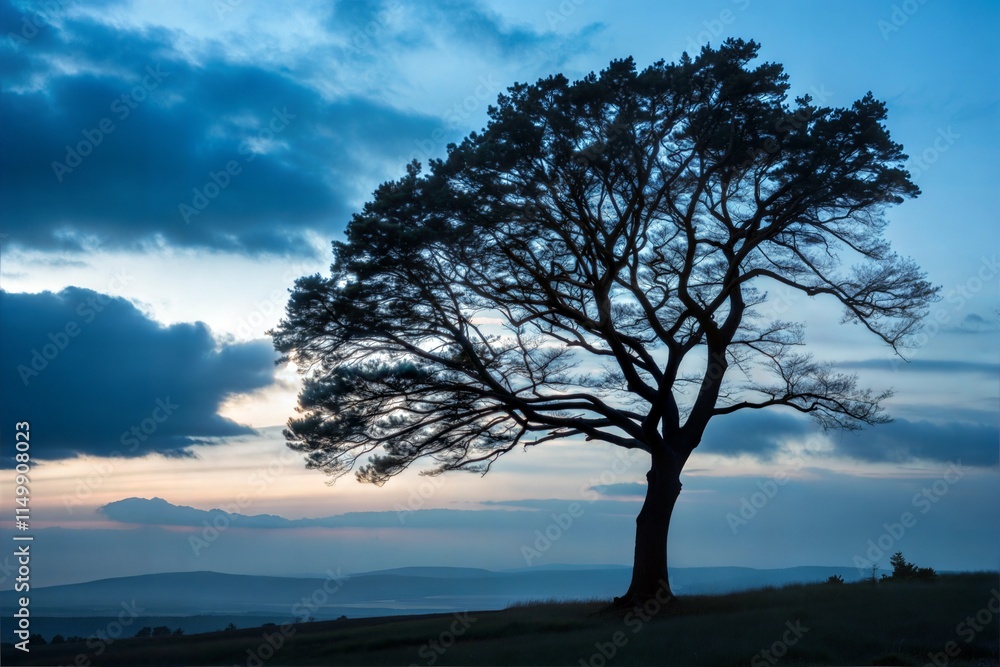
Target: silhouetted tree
x=58, y=639
x=161, y=631
x=231, y=626
x=36, y=639
x=593, y=263
x=179, y=632
x=901, y=569
x=835, y=579
x=144, y=631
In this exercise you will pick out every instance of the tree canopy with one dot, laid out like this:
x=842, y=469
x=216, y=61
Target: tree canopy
x=595, y=263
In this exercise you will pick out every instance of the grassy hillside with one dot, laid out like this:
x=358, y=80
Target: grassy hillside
x=888, y=624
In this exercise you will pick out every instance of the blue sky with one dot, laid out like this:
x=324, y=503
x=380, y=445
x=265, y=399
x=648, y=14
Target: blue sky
x=168, y=169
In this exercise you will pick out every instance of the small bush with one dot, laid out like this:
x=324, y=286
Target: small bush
x=901, y=569
x=835, y=579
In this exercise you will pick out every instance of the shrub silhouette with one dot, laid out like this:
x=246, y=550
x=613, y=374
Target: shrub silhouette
x=161, y=631
x=145, y=631
x=901, y=569
x=835, y=579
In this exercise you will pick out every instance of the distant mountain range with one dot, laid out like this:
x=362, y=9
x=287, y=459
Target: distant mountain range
x=407, y=590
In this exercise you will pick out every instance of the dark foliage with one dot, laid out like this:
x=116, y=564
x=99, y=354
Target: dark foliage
x=902, y=570
x=594, y=264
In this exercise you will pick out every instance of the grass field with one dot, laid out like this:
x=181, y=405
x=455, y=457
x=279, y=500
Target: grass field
x=849, y=624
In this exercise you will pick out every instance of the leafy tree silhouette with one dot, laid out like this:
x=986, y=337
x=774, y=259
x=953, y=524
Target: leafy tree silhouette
x=901, y=569
x=594, y=265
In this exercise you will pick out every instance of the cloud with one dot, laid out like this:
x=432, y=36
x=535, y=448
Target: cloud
x=626, y=489
x=135, y=145
x=925, y=365
x=904, y=440
x=94, y=375
x=763, y=433
x=159, y=512
x=974, y=323
x=760, y=433
x=518, y=515
x=126, y=136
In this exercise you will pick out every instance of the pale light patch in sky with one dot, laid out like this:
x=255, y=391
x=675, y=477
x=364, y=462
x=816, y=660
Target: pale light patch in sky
x=171, y=286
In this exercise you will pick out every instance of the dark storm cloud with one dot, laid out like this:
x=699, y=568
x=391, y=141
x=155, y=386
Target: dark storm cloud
x=973, y=323
x=625, y=489
x=94, y=375
x=760, y=433
x=372, y=24
x=159, y=512
x=925, y=366
x=113, y=153
x=475, y=25
x=904, y=440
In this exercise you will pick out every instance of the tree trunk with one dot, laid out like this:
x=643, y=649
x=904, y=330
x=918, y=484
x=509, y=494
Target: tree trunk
x=649, y=571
